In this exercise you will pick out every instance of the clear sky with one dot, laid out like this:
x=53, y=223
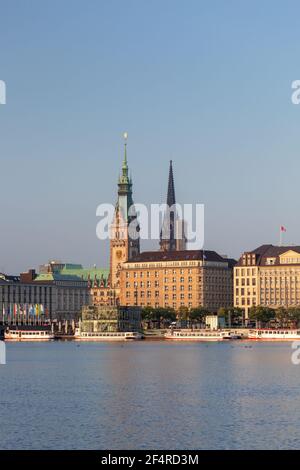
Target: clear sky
x=206, y=83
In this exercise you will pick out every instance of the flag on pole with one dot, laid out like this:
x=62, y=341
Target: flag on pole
x=282, y=228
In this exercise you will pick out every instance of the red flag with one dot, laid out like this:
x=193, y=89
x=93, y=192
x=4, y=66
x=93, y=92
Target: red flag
x=282, y=229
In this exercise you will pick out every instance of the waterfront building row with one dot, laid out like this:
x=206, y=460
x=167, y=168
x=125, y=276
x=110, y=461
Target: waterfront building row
x=46, y=297
x=268, y=276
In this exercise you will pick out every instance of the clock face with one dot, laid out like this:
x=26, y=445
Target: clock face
x=119, y=254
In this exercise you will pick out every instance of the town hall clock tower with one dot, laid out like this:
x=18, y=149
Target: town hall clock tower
x=124, y=239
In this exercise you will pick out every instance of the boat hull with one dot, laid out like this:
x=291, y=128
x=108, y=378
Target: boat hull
x=179, y=336
x=194, y=339
x=108, y=338
x=27, y=338
x=274, y=335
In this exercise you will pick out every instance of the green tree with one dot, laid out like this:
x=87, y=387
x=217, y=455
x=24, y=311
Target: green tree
x=183, y=313
x=232, y=315
x=147, y=313
x=293, y=315
x=282, y=316
x=168, y=314
x=261, y=315
x=155, y=317
x=198, y=314
x=225, y=313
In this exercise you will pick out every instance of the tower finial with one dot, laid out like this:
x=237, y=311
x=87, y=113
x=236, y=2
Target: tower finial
x=125, y=135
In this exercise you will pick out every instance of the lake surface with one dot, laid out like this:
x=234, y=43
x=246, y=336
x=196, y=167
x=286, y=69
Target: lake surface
x=149, y=395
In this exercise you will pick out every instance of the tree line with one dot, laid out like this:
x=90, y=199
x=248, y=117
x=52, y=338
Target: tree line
x=261, y=316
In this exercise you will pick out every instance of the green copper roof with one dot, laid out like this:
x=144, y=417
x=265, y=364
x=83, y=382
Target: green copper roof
x=75, y=272
x=85, y=273
x=57, y=276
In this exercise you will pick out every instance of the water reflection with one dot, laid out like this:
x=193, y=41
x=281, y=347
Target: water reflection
x=149, y=395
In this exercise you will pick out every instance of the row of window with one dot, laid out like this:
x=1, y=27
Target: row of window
x=156, y=273
x=148, y=294
x=247, y=301
x=167, y=304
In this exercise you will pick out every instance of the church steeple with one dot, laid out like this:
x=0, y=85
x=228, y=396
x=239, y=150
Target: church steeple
x=167, y=234
x=171, y=189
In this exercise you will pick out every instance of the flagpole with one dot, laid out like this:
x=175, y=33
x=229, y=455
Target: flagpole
x=280, y=236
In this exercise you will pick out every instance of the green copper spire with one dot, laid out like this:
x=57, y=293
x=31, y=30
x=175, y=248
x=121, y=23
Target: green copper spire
x=124, y=178
x=124, y=186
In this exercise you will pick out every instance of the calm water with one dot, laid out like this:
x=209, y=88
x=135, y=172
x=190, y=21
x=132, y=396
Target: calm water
x=149, y=395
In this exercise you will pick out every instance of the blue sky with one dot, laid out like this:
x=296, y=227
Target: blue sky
x=206, y=83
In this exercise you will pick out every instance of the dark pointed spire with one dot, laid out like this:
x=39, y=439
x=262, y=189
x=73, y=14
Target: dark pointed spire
x=167, y=234
x=171, y=188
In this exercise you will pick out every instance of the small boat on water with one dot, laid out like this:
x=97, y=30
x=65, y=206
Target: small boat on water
x=29, y=333
x=107, y=335
x=274, y=334
x=199, y=335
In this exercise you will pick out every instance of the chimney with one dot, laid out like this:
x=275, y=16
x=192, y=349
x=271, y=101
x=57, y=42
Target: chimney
x=29, y=276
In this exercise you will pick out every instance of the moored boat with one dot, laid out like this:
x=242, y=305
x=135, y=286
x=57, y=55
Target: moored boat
x=107, y=336
x=194, y=335
x=274, y=334
x=28, y=333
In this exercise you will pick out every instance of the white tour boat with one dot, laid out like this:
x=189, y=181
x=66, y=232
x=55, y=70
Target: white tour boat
x=107, y=335
x=195, y=335
x=274, y=335
x=26, y=334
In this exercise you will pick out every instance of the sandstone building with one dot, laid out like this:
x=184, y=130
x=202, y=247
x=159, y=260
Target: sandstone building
x=268, y=276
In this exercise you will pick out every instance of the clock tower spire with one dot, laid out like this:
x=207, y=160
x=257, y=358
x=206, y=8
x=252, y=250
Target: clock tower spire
x=123, y=245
